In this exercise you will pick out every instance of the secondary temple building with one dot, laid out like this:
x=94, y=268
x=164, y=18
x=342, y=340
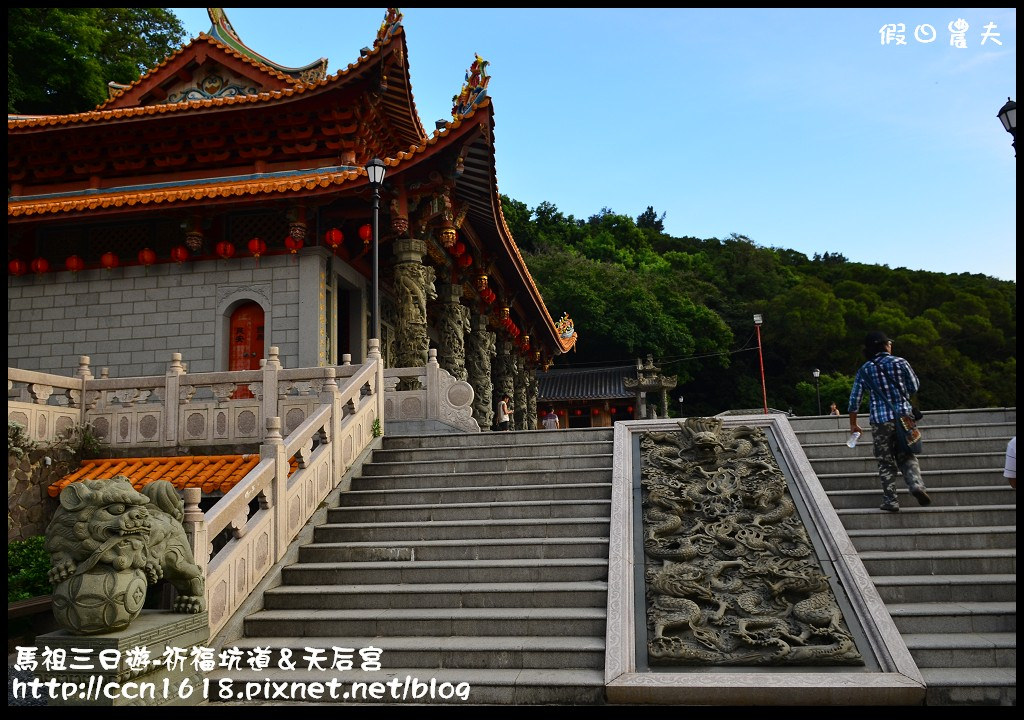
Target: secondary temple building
x=219, y=206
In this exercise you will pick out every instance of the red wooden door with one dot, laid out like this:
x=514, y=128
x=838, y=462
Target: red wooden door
x=246, y=342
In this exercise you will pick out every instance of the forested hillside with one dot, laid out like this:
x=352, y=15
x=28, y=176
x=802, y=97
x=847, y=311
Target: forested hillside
x=633, y=290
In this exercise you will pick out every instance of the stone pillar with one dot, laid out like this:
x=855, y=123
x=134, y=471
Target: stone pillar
x=531, y=398
x=504, y=371
x=519, y=399
x=480, y=349
x=414, y=285
x=453, y=327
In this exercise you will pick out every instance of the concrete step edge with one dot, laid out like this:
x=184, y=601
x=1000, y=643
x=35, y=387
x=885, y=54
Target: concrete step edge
x=472, y=523
x=952, y=608
x=544, y=643
x=936, y=554
x=503, y=613
x=979, y=579
x=468, y=505
x=423, y=564
x=474, y=542
x=425, y=588
x=974, y=640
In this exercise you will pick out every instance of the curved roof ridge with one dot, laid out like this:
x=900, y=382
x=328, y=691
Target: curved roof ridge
x=119, y=91
x=223, y=31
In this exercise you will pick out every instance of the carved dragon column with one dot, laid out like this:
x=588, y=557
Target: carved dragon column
x=480, y=349
x=453, y=327
x=414, y=285
x=505, y=370
x=521, y=415
x=531, y=398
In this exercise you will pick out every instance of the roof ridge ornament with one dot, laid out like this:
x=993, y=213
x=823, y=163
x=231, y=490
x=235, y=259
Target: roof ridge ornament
x=392, y=21
x=474, y=90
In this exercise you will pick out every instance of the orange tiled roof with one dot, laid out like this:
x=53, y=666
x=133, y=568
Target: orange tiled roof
x=211, y=473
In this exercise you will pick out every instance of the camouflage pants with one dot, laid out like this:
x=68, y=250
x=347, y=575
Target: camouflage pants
x=891, y=460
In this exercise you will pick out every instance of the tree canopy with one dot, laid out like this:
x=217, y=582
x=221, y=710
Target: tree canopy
x=633, y=290
x=59, y=60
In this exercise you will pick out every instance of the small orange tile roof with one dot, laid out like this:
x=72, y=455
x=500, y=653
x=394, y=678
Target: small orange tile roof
x=211, y=473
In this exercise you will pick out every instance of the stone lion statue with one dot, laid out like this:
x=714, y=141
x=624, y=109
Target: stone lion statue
x=107, y=543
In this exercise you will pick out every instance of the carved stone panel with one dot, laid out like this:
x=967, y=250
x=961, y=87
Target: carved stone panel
x=730, y=574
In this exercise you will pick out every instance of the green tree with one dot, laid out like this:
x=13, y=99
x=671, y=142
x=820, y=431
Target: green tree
x=59, y=60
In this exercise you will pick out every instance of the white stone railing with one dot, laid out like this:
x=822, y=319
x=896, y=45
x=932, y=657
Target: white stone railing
x=439, y=397
x=44, y=404
x=171, y=410
x=325, y=444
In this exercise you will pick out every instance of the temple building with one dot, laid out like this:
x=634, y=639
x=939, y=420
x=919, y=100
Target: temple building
x=220, y=206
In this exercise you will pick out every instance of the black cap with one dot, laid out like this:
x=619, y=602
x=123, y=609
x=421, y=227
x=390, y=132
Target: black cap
x=875, y=341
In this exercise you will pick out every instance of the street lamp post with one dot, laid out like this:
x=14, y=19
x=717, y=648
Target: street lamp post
x=764, y=390
x=680, y=406
x=1008, y=116
x=816, y=372
x=375, y=176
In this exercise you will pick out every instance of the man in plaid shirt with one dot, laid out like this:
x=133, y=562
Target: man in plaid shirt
x=890, y=381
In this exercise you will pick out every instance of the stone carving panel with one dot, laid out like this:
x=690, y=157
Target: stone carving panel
x=480, y=350
x=730, y=574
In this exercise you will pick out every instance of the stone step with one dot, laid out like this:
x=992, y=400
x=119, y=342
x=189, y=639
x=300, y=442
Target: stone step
x=939, y=562
x=932, y=461
x=504, y=493
x=836, y=436
x=434, y=622
x=434, y=454
x=459, y=549
x=947, y=588
x=936, y=538
x=954, y=617
x=970, y=686
x=911, y=516
x=540, y=464
x=521, y=438
x=441, y=571
x=965, y=417
x=835, y=446
x=943, y=650
x=459, y=480
x=463, y=529
x=941, y=496
x=932, y=478
x=427, y=652
x=532, y=509
x=513, y=686
x=591, y=593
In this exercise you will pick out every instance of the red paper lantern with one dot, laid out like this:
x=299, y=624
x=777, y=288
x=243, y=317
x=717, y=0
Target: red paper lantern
x=579, y=412
x=109, y=260
x=147, y=256
x=225, y=249
x=366, y=233
x=40, y=265
x=257, y=247
x=179, y=254
x=465, y=260
x=293, y=244
x=595, y=411
x=17, y=267
x=629, y=409
x=458, y=248
x=613, y=411
x=334, y=238
x=74, y=263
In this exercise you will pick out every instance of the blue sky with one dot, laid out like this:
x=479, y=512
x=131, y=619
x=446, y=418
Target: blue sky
x=797, y=128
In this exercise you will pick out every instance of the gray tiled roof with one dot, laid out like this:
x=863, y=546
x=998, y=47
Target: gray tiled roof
x=604, y=383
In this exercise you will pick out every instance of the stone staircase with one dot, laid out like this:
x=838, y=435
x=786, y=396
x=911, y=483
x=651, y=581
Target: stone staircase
x=478, y=558
x=947, y=573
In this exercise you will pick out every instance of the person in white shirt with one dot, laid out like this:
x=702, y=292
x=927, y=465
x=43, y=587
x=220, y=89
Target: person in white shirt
x=550, y=420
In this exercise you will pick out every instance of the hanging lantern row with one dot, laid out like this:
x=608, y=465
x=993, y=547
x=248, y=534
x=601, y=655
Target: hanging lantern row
x=366, y=233
x=488, y=296
x=225, y=249
x=334, y=238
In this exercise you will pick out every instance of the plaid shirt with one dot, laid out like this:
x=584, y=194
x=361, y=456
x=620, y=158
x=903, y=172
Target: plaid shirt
x=895, y=382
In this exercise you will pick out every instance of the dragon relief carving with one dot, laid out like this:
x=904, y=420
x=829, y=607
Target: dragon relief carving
x=729, y=572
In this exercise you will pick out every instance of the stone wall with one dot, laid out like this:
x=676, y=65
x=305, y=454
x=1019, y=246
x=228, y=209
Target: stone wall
x=29, y=508
x=131, y=319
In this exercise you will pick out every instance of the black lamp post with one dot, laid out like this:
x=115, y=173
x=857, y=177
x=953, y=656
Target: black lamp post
x=816, y=372
x=375, y=176
x=680, y=406
x=1008, y=116
x=764, y=390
